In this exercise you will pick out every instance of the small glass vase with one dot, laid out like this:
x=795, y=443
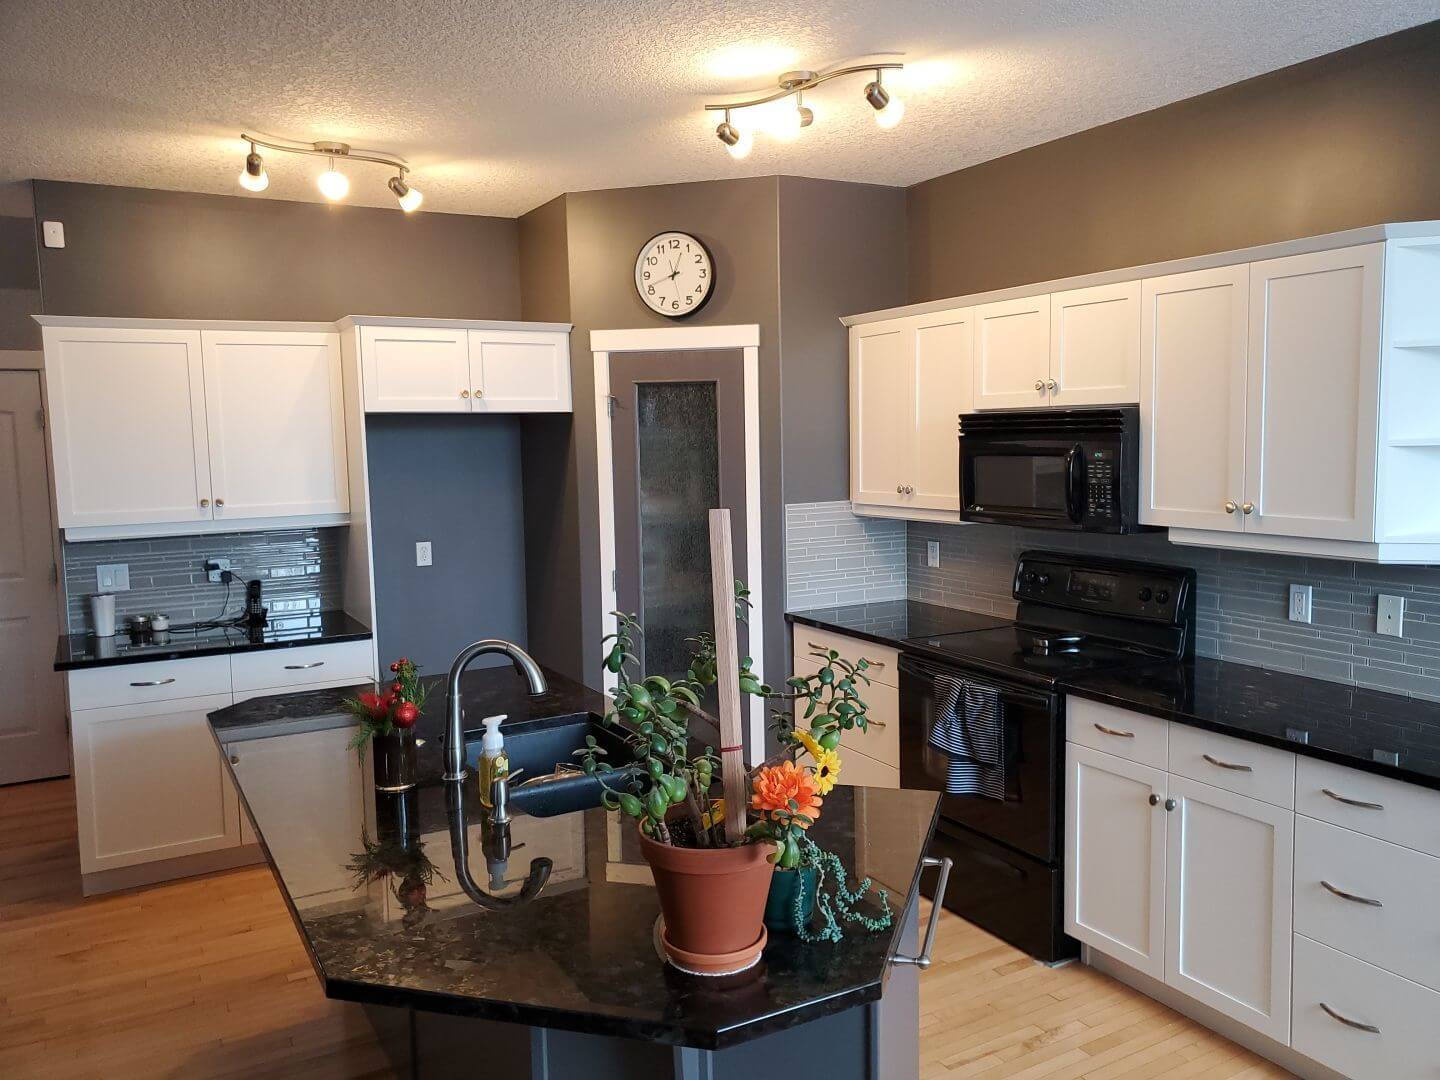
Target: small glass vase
x=394, y=757
x=780, y=906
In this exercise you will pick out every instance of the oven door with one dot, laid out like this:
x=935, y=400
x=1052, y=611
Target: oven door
x=1040, y=483
x=1028, y=818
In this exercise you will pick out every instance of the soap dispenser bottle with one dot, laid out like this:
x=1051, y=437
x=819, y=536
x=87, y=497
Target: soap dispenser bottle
x=494, y=762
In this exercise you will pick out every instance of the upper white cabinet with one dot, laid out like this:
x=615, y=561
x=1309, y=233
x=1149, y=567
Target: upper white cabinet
x=1012, y=353
x=1095, y=345
x=909, y=383
x=519, y=371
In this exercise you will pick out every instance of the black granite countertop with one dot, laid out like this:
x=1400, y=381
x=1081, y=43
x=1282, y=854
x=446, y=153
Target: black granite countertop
x=579, y=955
x=890, y=622
x=77, y=651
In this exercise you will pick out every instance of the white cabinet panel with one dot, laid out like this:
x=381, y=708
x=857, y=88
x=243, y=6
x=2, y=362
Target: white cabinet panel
x=158, y=680
x=1012, y=353
x=150, y=784
x=280, y=669
x=1374, y=805
x=1115, y=839
x=1246, y=768
x=1122, y=732
x=276, y=421
x=1194, y=338
x=1228, y=883
x=943, y=342
x=519, y=371
x=128, y=432
x=415, y=369
x=1314, y=365
x=880, y=412
x=1095, y=345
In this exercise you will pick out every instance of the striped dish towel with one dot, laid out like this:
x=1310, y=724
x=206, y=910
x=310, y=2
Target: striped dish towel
x=968, y=727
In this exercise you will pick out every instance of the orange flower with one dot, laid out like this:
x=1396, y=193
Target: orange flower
x=774, y=788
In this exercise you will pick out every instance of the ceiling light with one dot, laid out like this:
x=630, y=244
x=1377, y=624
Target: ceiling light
x=737, y=141
x=786, y=123
x=254, y=177
x=889, y=108
x=409, y=197
x=333, y=184
x=806, y=116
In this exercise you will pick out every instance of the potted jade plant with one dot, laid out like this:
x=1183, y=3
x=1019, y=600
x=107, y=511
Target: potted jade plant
x=387, y=721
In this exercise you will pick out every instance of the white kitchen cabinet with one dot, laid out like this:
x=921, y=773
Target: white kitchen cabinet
x=1228, y=881
x=943, y=345
x=150, y=784
x=276, y=424
x=1194, y=340
x=1115, y=839
x=415, y=369
x=1012, y=353
x=1095, y=345
x=519, y=371
x=881, y=362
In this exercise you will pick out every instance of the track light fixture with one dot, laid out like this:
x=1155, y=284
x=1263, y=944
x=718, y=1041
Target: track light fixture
x=889, y=109
x=333, y=183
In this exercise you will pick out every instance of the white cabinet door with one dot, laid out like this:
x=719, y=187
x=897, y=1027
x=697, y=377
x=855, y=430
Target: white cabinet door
x=1095, y=345
x=1194, y=335
x=1115, y=836
x=1229, y=883
x=128, y=433
x=415, y=369
x=276, y=422
x=515, y=371
x=150, y=784
x=1012, y=353
x=881, y=370
x=1314, y=369
x=942, y=346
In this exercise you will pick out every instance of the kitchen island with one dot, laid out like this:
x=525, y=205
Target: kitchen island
x=531, y=951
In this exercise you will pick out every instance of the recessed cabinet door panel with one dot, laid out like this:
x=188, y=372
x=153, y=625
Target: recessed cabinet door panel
x=1228, y=886
x=519, y=371
x=415, y=369
x=1095, y=345
x=1115, y=857
x=1314, y=366
x=127, y=412
x=880, y=412
x=1012, y=353
x=1194, y=338
x=943, y=343
x=276, y=420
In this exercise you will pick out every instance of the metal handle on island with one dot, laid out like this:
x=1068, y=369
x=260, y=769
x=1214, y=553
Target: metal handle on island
x=1352, y=802
x=304, y=667
x=1350, y=896
x=1226, y=764
x=154, y=682
x=1356, y=1024
x=927, y=946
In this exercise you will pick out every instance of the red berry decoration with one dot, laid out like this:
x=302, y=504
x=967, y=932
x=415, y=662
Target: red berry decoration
x=395, y=666
x=395, y=688
x=406, y=714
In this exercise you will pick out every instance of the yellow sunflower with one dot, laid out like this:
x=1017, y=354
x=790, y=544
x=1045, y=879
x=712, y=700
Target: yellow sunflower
x=827, y=770
x=808, y=741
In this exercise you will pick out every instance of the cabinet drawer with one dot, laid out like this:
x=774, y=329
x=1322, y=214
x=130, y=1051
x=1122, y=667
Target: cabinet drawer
x=884, y=661
x=1394, y=932
x=275, y=668
x=1246, y=768
x=861, y=771
x=1129, y=735
x=163, y=680
x=1406, y=1014
x=1374, y=805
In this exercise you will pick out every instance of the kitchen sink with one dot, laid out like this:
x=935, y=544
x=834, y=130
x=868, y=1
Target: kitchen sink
x=537, y=747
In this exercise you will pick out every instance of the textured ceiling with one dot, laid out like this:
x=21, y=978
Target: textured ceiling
x=502, y=105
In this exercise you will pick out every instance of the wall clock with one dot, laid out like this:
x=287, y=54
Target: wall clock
x=674, y=274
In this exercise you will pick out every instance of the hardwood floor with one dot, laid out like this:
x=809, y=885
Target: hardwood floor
x=206, y=978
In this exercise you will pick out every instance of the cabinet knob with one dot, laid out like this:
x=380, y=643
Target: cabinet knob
x=204, y=504
x=1230, y=506
x=1051, y=385
x=479, y=393
x=464, y=393
x=909, y=490
x=1154, y=799
x=1040, y=385
x=1249, y=508
x=219, y=504
x=234, y=759
x=899, y=489
x=1169, y=804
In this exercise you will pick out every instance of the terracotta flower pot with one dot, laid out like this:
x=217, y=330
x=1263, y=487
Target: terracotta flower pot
x=713, y=902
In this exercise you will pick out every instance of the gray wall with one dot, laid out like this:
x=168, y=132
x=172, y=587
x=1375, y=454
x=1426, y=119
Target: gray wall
x=1337, y=142
x=19, y=268
x=453, y=480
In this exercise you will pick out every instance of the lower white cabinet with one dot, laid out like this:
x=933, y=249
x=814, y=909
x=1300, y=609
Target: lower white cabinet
x=868, y=758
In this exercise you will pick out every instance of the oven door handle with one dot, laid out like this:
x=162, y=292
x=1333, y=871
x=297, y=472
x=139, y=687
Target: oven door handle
x=1074, y=482
x=911, y=666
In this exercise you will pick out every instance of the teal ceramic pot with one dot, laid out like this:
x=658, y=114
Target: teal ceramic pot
x=780, y=905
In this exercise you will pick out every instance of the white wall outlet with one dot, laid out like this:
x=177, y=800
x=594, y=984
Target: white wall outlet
x=932, y=552
x=1300, y=600
x=214, y=568
x=423, y=554
x=113, y=577
x=53, y=233
x=1390, y=615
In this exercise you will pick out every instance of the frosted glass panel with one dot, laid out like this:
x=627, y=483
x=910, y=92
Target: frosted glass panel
x=678, y=484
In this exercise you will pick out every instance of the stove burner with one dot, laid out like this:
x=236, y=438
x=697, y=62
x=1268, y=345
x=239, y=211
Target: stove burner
x=1044, y=643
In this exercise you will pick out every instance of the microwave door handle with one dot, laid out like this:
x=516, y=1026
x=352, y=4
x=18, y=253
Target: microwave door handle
x=1074, y=481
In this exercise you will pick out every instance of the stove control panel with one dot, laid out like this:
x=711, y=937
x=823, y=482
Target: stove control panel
x=1106, y=587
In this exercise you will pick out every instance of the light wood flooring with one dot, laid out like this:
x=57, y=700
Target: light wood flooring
x=207, y=978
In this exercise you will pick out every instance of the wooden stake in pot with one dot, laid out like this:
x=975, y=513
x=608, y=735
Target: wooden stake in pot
x=727, y=675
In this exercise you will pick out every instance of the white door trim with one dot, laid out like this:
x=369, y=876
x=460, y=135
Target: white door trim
x=665, y=339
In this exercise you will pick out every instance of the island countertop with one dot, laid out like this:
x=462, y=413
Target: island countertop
x=395, y=904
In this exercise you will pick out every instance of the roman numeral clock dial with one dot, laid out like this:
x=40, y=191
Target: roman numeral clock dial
x=674, y=274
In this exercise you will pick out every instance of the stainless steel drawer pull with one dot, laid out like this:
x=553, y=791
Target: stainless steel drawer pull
x=1114, y=731
x=826, y=650
x=1352, y=802
x=1350, y=896
x=1356, y=1024
x=1226, y=764
x=304, y=667
x=923, y=960
x=154, y=682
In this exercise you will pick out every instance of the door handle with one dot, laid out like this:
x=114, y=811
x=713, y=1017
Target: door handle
x=1247, y=508
x=1226, y=764
x=1230, y=506
x=1051, y=385
x=1074, y=469
x=154, y=682
x=1114, y=731
x=1343, y=895
x=304, y=667
x=1040, y=385
x=1356, y=1024
x=1352, y=802
x=923, y=960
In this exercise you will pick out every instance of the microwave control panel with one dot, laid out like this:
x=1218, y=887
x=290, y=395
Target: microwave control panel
x=1101, y=499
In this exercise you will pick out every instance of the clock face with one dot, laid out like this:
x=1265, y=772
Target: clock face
x=674, y=274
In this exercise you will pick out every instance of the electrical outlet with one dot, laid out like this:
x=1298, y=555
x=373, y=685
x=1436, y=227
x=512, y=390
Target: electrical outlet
x=423, y=555
x=113, y=577
x=213, y=569
x=932, y=552
x=1300, y=600
x=1390, y=615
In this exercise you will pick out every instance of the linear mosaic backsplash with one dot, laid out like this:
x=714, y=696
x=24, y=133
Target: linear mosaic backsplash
x=300, y=569
x=834, y=557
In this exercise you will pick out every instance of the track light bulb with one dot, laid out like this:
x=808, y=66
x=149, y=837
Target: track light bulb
x=738, y=141
x=890, y=116
x=254, y=177
x=804, y=114
x=334, y=185
x=409, y=197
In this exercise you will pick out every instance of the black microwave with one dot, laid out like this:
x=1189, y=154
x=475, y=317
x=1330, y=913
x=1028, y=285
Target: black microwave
x=1074, y=469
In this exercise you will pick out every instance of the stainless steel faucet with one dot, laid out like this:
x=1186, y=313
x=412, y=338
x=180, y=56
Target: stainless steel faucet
x=454, y=725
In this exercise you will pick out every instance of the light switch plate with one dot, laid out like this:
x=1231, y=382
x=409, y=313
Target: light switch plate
x=1300, y=603
x=423, y=554
x=1390, y=615
x=932, y=553
x=113, y=577
x=53, y=233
